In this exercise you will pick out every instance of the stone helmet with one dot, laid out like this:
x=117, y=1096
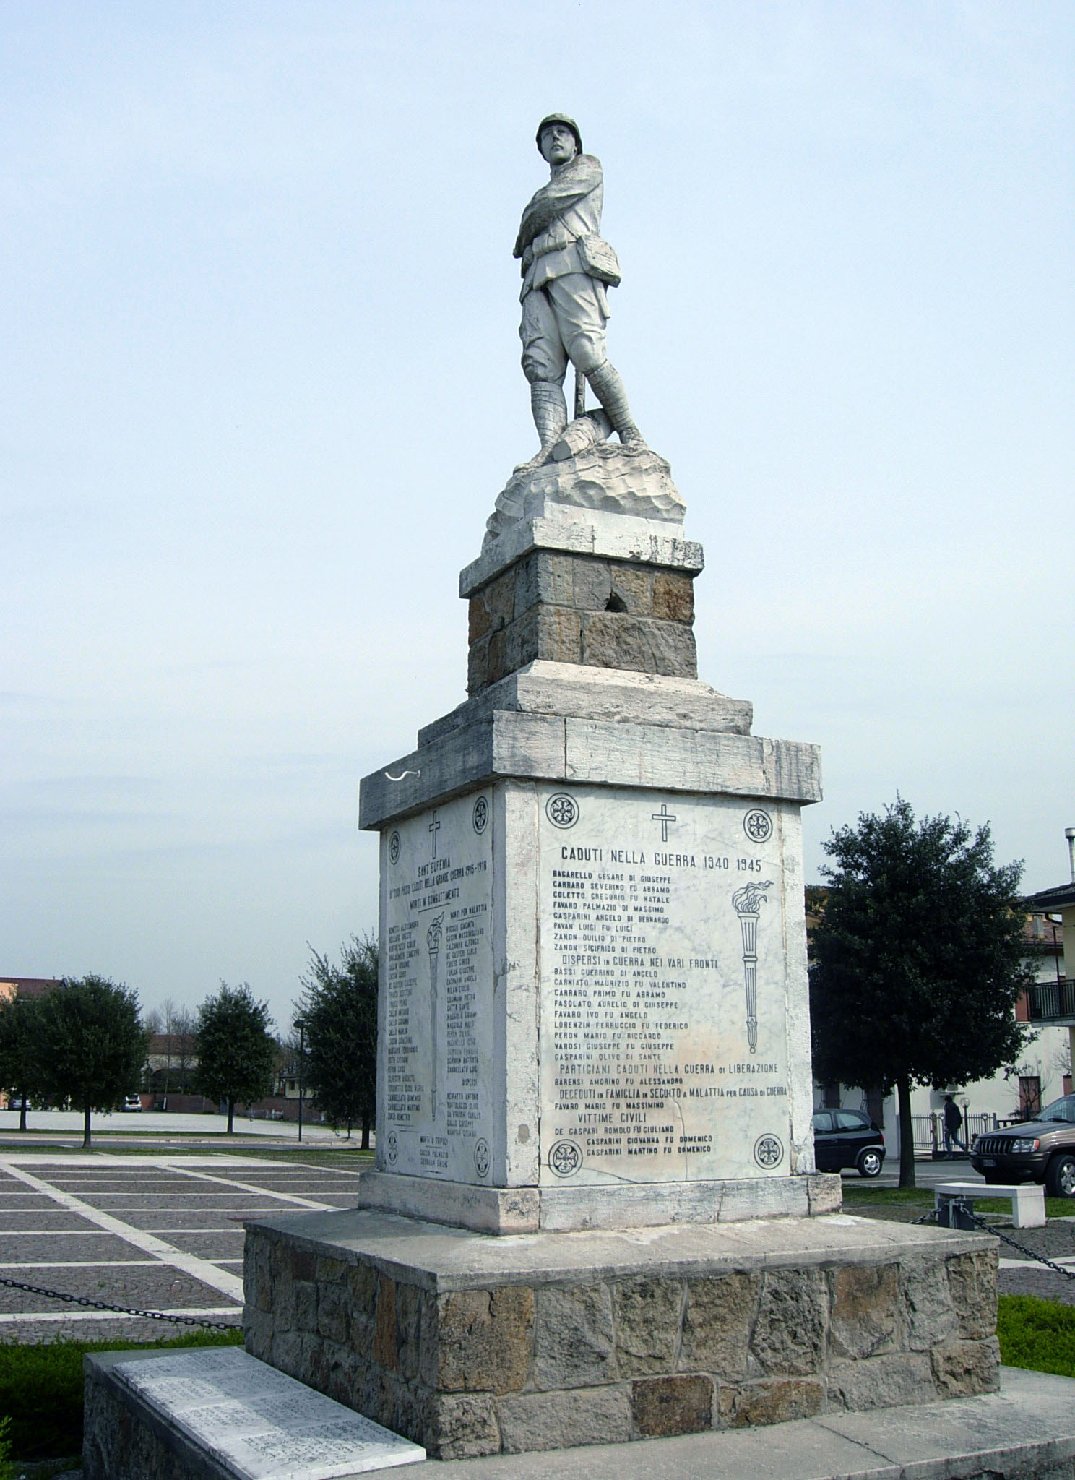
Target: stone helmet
x=559, y=118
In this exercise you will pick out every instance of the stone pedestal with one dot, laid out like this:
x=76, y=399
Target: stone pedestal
x=620, y=598
x=595, y=1215
x=593, y=996
x=472, y=1345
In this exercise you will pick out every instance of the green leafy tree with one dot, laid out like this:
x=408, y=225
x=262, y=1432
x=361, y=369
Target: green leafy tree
x=338, y=1008
x=87, y=1046
x=918, y=959
x=236, y=1052
x=17, y=1062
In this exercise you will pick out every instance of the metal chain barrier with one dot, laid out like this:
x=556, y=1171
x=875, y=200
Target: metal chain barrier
x=963, y=1204
x=1015, y=1244
x=123, y=1310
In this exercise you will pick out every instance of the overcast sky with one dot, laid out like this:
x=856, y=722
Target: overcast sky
x=259, y=323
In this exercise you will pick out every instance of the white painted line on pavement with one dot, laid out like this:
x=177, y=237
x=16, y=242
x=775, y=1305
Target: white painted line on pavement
x=199, y=1269
x=197, y=1311
x=1067, y=1262
x=87, y=1264
x=291, y=1197
x=73, y=1232
x=67, y=1233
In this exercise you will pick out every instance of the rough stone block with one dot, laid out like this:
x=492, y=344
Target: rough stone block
x=793, y=1316
x=303, y=1265
x=963, y=1368
x=558, y=1420
x=499, y=599
x=408, y=1330
x=545, y=577
x=770, y=1400
x=479, y=621
x=574, y=1339
x=522, y=639
x=257, y=1277
x=641, y=644
x=972, y=1281
x=927, y=1314
x=882, y=1382
x=558, y=635
x=305, y=1305
x=478, y=667
x=663, y=1406
x=257, y=1332
x=634, y=587
x=865, y=1309
x=459, y=1426
x=717, y=1323
x=485, y=1341
x=362, y=1289
x=333, y=1310
x=648, y=1315
x=386, y=1326
x=673, y=596
x=592, y=585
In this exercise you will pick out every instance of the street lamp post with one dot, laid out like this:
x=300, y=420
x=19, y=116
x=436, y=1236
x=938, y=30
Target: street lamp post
x=300, y=1023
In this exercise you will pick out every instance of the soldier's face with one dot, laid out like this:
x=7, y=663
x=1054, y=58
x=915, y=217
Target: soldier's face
x=557, y=143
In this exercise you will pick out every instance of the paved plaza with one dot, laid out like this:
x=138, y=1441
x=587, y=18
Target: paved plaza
x=155, y=1232
x=164, y=1231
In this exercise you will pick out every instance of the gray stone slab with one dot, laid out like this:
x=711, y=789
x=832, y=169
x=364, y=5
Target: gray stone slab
x=551, y=748
x=591, y=532
x=571, y=689
x=235, y=1416
x=529, y=1209
x=1025, y=1430
x=444, y=1258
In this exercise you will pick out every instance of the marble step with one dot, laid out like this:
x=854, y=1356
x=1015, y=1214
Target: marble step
x=219, y=1414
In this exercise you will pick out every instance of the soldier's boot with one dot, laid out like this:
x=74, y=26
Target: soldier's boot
x=549, y=406
x=609, y=389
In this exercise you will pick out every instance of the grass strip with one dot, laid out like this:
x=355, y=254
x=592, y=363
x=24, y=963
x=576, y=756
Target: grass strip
x=41, y=1389
x=923, y=1197
x=1037, y=1334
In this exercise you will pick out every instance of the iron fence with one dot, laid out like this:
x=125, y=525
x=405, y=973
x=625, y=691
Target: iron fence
x=928, y=1130
x=1049, y=1001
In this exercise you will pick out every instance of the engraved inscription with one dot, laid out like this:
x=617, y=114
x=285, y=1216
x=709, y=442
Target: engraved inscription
x=658, y=1069
x=436, y=1017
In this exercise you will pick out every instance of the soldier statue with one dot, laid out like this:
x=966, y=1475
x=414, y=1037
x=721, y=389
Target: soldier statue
x=567, y=269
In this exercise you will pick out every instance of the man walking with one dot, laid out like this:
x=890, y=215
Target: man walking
x=566, y=270
x=953, y=1121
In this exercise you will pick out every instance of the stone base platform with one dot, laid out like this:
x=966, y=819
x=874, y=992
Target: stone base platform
x=1025, y=1430
x=472, y=1345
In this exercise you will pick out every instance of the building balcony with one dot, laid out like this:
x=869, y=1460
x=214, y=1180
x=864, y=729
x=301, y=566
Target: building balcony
x=1052, y=1003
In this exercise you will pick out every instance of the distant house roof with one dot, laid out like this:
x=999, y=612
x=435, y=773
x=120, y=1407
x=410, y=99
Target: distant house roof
x=27, y=986
x=1061, y=897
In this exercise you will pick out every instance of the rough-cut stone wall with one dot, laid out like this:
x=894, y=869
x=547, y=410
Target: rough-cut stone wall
x=571, y=608
x=599, y=1358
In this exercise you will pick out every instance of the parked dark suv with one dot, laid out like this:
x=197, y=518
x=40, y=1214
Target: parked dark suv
x=1039, y=1150
x=847, y=1138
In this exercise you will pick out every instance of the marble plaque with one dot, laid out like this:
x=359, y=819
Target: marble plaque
x=260, y=1423
x=436, y=1022
x=664, y=986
